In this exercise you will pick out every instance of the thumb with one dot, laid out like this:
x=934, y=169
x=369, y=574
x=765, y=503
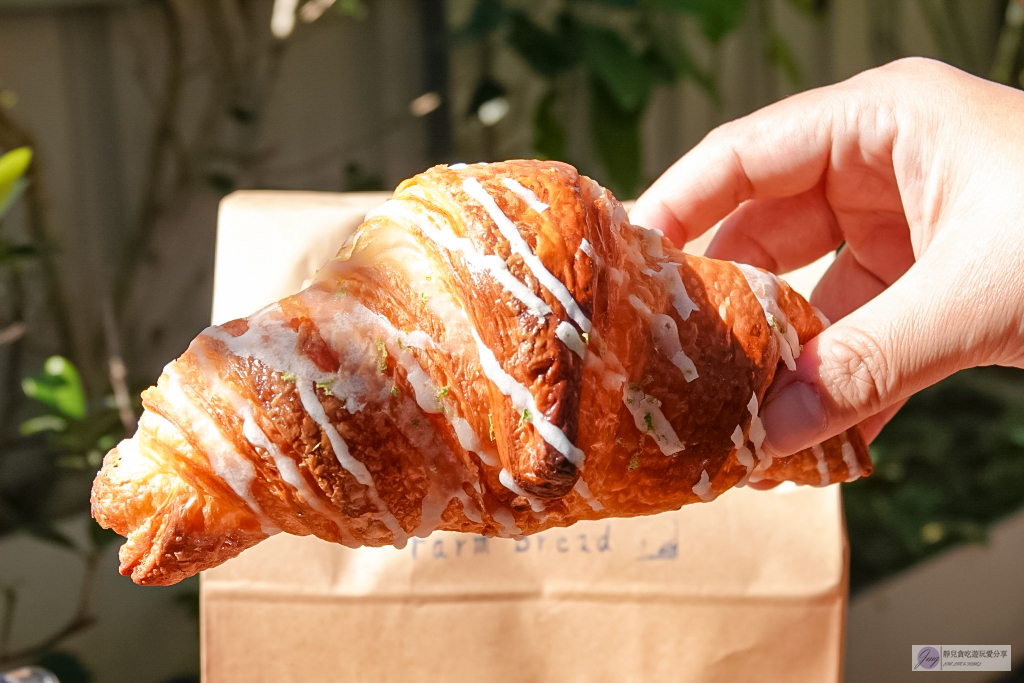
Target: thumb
x=898, y=343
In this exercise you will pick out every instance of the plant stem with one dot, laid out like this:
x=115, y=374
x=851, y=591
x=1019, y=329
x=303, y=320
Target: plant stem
x=161, y=146
x=12, y=135
x=79, y=621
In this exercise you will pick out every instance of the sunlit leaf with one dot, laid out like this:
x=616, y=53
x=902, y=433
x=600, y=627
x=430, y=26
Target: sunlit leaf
x=43, y=423
x=487, y=16
x=58, y=386
x=780, y=55
x=13, y=166
x=717, y=17
x=615, y=133
x=612, y=61
x=548, y=131
x=545, y=52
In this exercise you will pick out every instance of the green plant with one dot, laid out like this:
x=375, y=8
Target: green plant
x=948, y=465
x=624, y=49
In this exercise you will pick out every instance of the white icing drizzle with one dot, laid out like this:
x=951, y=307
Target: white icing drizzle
x=469, y=507
x=526, y=194
x=457, y=167
x=519, y=246
x=522, y=400
x=649, y=419
x=225, y=460
x=536, y=504
x=507, y=521
x=490, y=263
x=586, y=247
x=825, y=324
x=669, y=276
x=584, y=490
x=765, y=287
x=743, y=453
x=611, y=379
x=850, y=458
x=571, y=338
x=757, y=434
x=666, y=338
x=703, y=487
x=819, y=453
x=307, y=394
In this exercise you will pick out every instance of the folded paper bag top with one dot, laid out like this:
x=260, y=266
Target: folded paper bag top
x=752, y=587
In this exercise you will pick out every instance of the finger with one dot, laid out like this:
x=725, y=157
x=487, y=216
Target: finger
x=872, y=426
x=763, y=485
x=778, y=151
x=781, y=234
x=898, y=343
x=846, y=286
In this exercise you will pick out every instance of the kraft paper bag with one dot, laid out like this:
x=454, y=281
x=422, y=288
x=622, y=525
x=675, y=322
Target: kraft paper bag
x=751, y=587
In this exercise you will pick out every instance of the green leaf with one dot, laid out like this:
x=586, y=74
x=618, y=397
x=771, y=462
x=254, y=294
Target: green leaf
x=812, y=8
x=12, y=251
x=548, y=132
x=100, y=537
x=67, y=667
x=717, y=17
x=13, y=165
x=780, y=55
x=610, y=58
x=546, y=53
x=486, y=90
x=621, y=4
x=43, y=423
x=615, y=133
x=667, y=49
x=487, y=16
x=58, y=386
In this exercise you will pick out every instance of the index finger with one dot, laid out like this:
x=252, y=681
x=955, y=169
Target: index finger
x=779, y=151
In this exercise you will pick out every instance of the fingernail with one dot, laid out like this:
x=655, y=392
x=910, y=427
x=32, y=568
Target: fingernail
x=793, y=417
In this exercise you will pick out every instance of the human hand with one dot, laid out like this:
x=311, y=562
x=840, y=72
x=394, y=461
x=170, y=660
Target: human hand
x=919, y=169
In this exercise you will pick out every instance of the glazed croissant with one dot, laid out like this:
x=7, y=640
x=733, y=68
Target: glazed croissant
x=496, y=350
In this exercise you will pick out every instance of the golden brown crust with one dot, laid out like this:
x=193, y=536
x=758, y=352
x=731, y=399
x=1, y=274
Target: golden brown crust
x=495, y=351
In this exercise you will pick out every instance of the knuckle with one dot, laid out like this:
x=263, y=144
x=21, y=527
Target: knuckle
x=860, y=375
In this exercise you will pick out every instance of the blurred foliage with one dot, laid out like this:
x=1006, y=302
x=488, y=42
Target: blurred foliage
x=626, y=49
x=946, y=467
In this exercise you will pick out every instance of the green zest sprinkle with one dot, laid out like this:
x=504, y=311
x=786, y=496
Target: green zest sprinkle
x=423, y=299
x=288, y=376
x=586, y=337
x=490, y=424
x=433, y=468
x=340, y=293
x=401, y=344
x=774, y=322
x=649, y=421
x=634, y=462
x=634, y=386
x=443, y=392
x=394, y=390
x=629, y=401
x=383, y=355
x=326, y=386
x=527, y=416
x=647, y=380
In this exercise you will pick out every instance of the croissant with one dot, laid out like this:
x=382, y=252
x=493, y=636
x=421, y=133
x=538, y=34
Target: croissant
x=496, y=350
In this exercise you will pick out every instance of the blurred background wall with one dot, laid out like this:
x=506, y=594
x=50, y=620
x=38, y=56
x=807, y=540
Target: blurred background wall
x=142, y=114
